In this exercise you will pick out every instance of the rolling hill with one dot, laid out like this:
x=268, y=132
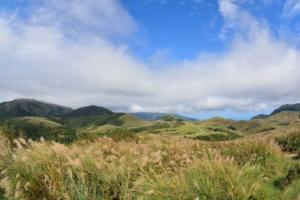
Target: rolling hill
x=115, y=121
x=287, y=107
x=88, y=111
x=30, y=107
x=148, y=116
x=241, y=127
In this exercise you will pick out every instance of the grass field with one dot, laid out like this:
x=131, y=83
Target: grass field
x=39, y=120
x=151, y=167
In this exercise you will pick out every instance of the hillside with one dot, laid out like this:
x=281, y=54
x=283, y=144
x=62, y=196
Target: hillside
x=287, y=107
x=148, y=116
x=37, y=121
x=37, y=127
x=29, y=107
x=89, y=110
x=260, y=116
x=170, y=118
x=132, y=121
x=241, y=127
x=115, y=121
x=283, y=118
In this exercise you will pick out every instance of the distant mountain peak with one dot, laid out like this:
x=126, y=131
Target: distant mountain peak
x=149, y=116
x=90, y=110
x=286, y=107
x=31, y=107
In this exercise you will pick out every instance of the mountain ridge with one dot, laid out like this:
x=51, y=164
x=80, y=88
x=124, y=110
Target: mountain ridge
x=31, y=107
x=89, y=110
x=287, y=107
x=150, y=116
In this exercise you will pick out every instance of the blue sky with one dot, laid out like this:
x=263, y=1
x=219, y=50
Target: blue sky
x=228, y=58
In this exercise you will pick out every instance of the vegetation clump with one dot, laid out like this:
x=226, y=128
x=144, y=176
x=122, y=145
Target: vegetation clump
x=120, y=135
x=289, y=142
x=112, y=119
x=294, y=174
x=266, y=129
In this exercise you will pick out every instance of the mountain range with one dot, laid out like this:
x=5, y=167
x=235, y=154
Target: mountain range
x=148, y=116
x=30, y=107
x=287, y=107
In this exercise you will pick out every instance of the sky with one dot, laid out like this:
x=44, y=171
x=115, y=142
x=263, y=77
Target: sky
x=200, y=58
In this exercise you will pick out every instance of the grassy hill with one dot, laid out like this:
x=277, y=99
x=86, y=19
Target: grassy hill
x=260, y=116
x=88, y=111
x=287, y=107
x=37, y=127
x=170, y=118
x=132, y=121
x=148, y=116
x=241, y=127
x=115, y=121
x=36, y=121
x=29, y=107
x=283, y=118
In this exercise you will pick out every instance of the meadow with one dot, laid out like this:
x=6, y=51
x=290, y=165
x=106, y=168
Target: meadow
x=124, y=165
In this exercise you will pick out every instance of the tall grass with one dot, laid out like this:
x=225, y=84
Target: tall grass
x=151, y=168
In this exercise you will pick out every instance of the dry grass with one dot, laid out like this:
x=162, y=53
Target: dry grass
x=154, y=168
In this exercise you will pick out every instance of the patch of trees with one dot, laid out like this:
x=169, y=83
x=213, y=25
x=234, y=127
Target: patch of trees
x=112, y=119
x=232, y=128
x=120, y=135
x=218, y=137
x=190, y=132
x=266, y=129
x=151, y=129
x=25, y=130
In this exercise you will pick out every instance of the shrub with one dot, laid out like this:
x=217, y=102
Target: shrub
x=88, y=136
x=123, y=135
x=294, y=174
x=289, y=142
x=231, y=127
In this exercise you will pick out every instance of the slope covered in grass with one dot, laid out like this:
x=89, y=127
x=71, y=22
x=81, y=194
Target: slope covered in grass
x=152, y=168
x=38, y=121
x=287, y=107
x=283, y=118
x=241, y=127
x=132, y=121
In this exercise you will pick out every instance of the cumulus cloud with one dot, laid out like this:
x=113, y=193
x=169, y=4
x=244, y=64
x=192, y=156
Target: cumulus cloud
x=291, y=8
x=65, y=53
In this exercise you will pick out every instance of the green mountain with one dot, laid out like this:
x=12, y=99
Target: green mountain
x=261, y=116
x=287, y=107
x=148, y=116
x=89, y=110
x=30, y=107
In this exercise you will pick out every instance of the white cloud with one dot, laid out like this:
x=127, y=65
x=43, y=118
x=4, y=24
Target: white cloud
x=39, y=59
x=291, y=8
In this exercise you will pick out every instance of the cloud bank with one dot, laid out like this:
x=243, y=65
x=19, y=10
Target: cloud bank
x=72, y=54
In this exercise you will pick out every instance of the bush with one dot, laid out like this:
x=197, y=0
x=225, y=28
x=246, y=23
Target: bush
x=266, y=129
x=293, y=175
x=231, y=127
x=88, y=136
x=123, y=135
x=290, y=142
